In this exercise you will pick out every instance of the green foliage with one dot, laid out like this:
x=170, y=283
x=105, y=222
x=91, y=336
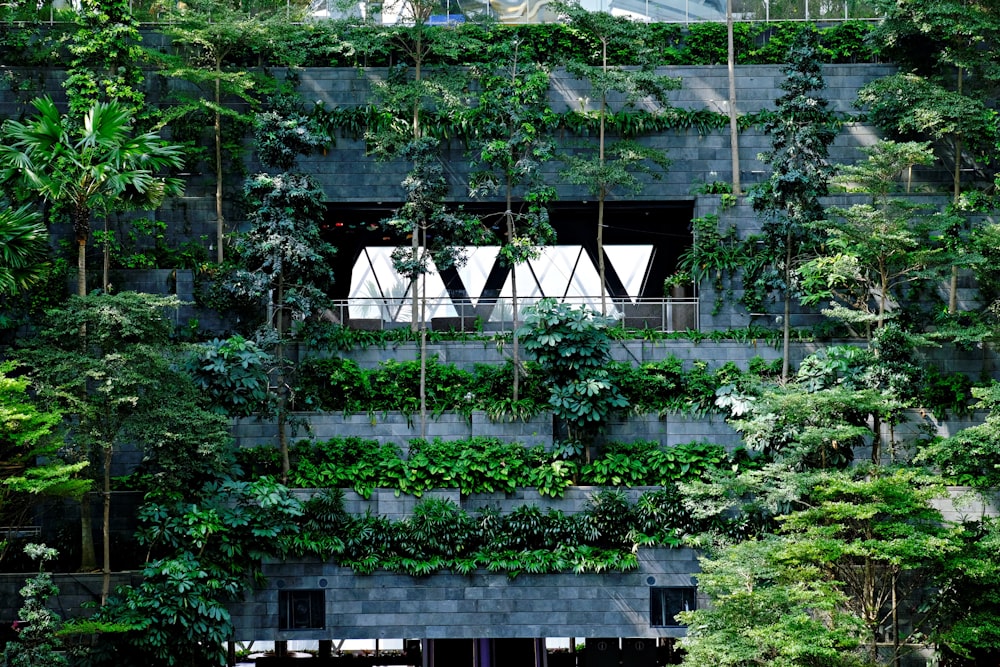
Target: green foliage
x=873, y=251
x=766, y=608
x=801, y=131
x=23, y=248
x=233, y=373
x=965, y=625
x=440, y=536
x=123, y=386
x=37, y=626
x=30, y=461
x=95, y=166
x=483, y=465
x=285, y=261
x=283, y=132
x=572, y=347
x=970, y=456
x=106, y=57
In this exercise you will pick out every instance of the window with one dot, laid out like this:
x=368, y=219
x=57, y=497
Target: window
x=665, y=603
x=301, y=610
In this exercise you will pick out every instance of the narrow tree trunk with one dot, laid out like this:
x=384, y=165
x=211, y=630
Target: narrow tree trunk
x=734, y=128
x=106, y=252
x=786, y=327
x=423, y=354
x=602, y=192
x=220, y=223
x=106, y=529
x=286, y=464
x=81, y=267
x=513, y=294
x=88, y=555
x=956, y=195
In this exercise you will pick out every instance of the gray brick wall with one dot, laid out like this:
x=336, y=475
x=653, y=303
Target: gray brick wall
x=483, y=604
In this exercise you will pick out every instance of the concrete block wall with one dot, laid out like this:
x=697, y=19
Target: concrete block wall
x=385, y=502
x=347, y=174
x=75, y=590
x=977, y=363
x=394, y=428
x=482, y=604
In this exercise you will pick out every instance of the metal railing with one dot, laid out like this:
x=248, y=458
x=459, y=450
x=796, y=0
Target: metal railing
x=496, y=315
x=511, y=12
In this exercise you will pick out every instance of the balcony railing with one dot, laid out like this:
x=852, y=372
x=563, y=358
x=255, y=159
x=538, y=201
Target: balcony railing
x=496, y=315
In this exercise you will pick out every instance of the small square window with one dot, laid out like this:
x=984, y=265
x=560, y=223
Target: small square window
x=301, y=610
x=665, y=603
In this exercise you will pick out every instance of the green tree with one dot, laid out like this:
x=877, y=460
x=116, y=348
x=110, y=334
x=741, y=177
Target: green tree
x=106, y=57
x=965, y=627
x=768, y=610
x=946, y=90
x=874, y=250
x=855, y=552
x=29, y=454
x=512, y=118
x=971, y=457
x=875, y=534
x=406, y=100
x=120, y=385
x=98, y=166
x=801, y=133
x=573, y=349
x=23, y=248
x=286, y=262
x=209, y=35
x=206, y=543
x=37, y=643
x=614, y=166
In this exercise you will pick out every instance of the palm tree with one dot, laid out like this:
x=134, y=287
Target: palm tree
x=93, y=167
x=23, y=248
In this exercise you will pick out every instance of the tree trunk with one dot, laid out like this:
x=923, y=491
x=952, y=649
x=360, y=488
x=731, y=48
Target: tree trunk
x=786, y=327
x=81, y=267
x=956, y=195
x=88, y=555
x=423, y=353
x=106, y=252
x=286, y=465
x=106, y=529
x=734, y=128
x=602, y=192
x=220, y=225
x=513, y=295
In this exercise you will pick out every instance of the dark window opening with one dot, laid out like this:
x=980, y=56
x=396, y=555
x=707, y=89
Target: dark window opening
x=666, y=603
x=301, y=610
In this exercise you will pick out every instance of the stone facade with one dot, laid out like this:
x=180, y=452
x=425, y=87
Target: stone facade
x=483, y=604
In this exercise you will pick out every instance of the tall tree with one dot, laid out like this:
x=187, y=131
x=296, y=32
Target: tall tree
x=287, y=265
x=406, y=99
x=788, y=201
x=87, y=166
x=120, y=385
x=30, y=459
x=767, y=610
x=208, y=34
x=946, y=92
x=873, y=250
x=512, y=118
x=106, y=65
x=614, y=166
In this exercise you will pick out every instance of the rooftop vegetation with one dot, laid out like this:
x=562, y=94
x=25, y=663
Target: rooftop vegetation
x=826, y=518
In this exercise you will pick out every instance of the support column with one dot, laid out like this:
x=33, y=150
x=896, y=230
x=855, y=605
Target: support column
x=325, y=648
x=281, y=648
